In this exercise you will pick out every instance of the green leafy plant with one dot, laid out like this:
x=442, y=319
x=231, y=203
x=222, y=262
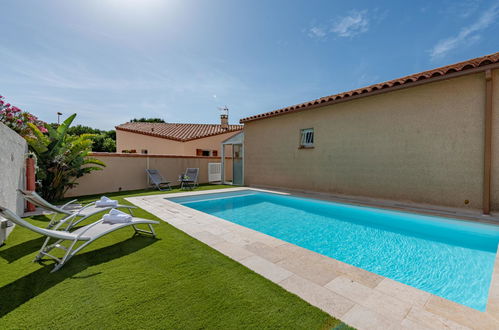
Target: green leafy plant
x=62, y=158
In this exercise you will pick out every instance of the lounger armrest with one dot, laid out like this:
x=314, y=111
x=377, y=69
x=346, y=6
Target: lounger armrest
x=126, y=206
x=69, y=219
x=68, y=203
x=86, y=206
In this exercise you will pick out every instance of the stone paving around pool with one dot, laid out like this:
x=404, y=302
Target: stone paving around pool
x=359, y=298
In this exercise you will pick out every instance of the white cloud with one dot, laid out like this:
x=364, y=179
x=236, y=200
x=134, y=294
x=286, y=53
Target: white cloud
x=355, y=23
x=467, y=35
x=351, y=25
x=317, y=32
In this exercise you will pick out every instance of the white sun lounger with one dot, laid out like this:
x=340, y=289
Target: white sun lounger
x=157, y=180
x=76, y=215
x=85, y=235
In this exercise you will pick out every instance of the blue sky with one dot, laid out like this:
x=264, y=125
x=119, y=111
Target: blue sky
x=112, y=60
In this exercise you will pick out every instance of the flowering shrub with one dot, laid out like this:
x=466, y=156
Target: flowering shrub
x=17, y=119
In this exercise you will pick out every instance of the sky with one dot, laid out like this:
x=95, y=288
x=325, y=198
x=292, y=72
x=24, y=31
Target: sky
x=113, y=60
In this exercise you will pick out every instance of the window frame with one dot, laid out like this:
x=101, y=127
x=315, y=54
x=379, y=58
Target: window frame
x=304, y=136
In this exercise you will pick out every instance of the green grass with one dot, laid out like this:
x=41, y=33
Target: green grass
x=125, y=282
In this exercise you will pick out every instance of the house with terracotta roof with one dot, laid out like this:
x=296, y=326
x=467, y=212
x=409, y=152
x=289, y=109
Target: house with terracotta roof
x=174, y=138
x=427, y=138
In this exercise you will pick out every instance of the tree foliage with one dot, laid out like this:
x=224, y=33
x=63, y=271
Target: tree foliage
x=61, y=158
x=147, y=120
x=104, y=141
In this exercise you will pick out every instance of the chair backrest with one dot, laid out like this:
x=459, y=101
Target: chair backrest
x=192, y=174
x=155, y=177
x=36, y=199
x=9, y=215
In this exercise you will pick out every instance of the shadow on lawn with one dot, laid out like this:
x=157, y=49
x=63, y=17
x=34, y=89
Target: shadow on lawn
x=15, y=252
x=18, y=251
x=31, y=285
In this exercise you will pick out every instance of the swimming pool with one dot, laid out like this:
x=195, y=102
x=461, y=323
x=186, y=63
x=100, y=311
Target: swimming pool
x=449, y=258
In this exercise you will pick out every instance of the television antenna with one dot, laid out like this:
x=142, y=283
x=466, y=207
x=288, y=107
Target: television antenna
x=224, y=110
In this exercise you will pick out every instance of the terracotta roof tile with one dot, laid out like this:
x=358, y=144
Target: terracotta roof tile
x=177, y=132
x=426, y=75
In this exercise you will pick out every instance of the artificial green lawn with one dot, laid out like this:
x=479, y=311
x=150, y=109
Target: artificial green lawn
x=120, y=281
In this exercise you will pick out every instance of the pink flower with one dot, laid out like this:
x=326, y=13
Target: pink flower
x=43, y=129
x=19, y=121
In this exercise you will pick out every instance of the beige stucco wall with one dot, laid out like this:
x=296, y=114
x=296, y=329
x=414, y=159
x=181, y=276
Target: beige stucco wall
x=159, y=146
x=495, y=142
x=13, y=149
x=422, y=144
x=127, y=172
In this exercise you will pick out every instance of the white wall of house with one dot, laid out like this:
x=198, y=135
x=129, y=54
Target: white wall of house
x=12, y=173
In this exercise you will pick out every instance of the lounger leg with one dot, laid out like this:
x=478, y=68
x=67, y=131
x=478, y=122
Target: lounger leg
x=40, y=253
x=141, y=231
x=53, y=221
x=69, y=253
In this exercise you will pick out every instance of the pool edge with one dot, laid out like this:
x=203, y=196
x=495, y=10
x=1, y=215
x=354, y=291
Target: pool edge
x=354, y=296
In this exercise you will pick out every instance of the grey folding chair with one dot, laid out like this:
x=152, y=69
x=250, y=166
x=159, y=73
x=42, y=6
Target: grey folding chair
x=190, y=179
x=76, y=214
x=157, y=180
x=84, y=235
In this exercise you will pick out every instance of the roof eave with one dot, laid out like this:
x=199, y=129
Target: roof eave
x=364, y=92
x=172, y=138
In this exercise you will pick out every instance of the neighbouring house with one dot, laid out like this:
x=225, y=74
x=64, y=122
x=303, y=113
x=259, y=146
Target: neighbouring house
x=174, y=138
x=431, y=137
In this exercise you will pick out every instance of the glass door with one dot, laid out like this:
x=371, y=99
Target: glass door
x=237, y=164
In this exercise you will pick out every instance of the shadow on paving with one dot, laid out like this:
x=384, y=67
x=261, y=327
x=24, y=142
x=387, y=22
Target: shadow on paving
x=31, y=285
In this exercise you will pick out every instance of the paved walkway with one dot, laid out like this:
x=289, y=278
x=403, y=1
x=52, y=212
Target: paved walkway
x=357, y=297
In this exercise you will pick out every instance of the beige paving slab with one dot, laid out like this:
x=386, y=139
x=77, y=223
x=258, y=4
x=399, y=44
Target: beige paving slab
x=232, y=250
x=207, y=238
x=362, y=276
x=461, y=314
x=361, y=318
x=387, y=305
x=326, y=300
x=350, y=289
x=493, y=302
x=263, y=250
x=311, y=269
x=190, y=228
x=238, y=238
x=216, y=229
x=260, y=237
x=403, y=292
x=418, y=318
x=266, y=268
x=277, y=252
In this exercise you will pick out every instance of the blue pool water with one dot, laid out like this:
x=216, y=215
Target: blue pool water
x=449, y=258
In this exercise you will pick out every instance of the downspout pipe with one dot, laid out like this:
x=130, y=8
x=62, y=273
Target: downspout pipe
x=487, y=159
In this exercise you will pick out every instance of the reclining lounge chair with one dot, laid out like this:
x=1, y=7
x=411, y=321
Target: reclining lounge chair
x=157, y=180
x=190, y=178
x=84, y=235
x=76, y=214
